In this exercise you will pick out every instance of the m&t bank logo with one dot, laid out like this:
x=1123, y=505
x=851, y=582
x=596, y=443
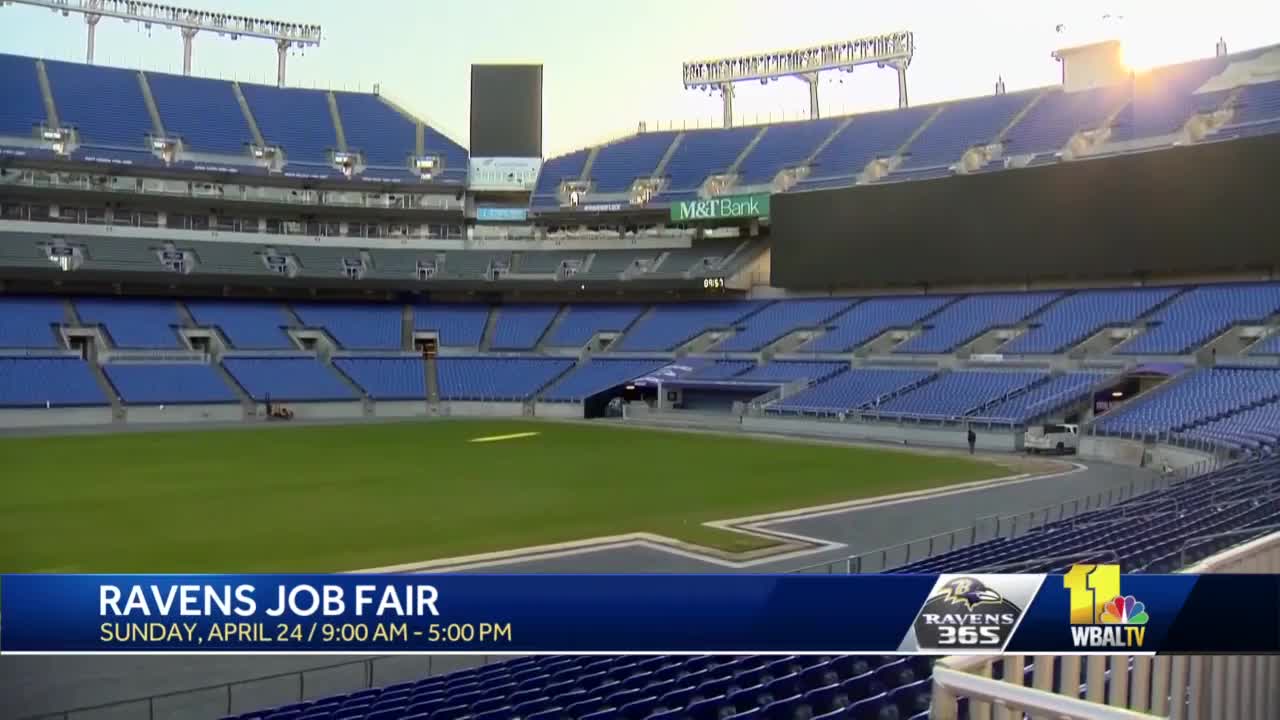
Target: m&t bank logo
x=1101, y=617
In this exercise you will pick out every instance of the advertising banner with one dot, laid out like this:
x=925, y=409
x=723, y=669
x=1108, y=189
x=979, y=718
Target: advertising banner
x=1092, y=608
x=730, y=206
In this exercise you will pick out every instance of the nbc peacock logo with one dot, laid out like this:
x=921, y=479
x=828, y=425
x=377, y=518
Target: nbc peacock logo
x=1124, y=611
x=1101, y=617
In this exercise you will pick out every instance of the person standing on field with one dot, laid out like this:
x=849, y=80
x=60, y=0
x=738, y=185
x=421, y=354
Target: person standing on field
x=973, y=439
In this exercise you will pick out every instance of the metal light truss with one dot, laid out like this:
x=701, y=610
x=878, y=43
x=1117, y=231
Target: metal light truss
x=189, y=22
x=890, y=49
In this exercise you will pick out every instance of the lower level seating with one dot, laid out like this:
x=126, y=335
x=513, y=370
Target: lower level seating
x=168, y=383
x=851, y=390
x=599, y=374
x=497, y=379
x=48, y=382
x=387, y=378
x=293, y=379
x=653, y=688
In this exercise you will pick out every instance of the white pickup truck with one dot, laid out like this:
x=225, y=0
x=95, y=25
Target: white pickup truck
x=1054, y=438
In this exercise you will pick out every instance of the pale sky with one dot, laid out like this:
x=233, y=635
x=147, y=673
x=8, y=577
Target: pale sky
x=611, y=64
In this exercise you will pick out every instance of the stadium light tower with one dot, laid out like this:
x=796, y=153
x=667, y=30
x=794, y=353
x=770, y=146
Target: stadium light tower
x=188, y=22
x=893, y=50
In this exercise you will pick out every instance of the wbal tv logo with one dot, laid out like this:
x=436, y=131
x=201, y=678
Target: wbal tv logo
x=1101, y=617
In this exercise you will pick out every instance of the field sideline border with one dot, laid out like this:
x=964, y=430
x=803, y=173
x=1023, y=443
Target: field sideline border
x=791, y=546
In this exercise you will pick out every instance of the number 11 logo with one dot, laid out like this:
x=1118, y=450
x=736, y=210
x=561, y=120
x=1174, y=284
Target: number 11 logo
x=1092, y=587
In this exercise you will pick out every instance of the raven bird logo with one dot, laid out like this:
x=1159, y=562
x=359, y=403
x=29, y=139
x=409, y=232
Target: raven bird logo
x=969, y=591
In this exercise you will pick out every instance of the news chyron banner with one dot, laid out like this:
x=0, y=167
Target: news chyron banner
x=1092, y=608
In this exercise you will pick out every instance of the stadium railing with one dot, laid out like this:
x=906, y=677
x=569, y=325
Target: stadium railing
x=1006, y=526
x=1199, y=687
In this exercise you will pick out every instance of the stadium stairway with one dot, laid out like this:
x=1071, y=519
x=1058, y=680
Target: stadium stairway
x=406, y=327
x=490, y=328
x=433, y=381
x=246, y=403
x=366, y=402
x=552, y=327
x=100, y=377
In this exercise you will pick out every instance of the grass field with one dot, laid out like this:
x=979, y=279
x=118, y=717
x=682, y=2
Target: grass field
x=324, y=498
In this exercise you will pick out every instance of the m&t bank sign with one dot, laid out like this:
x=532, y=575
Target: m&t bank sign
x=731, y=206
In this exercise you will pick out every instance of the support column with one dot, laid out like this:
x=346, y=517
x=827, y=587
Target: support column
x=726, y=94
x=812, y=79
x=91, y=20
x=282, y=52
x=188, y=34
x=901, y=67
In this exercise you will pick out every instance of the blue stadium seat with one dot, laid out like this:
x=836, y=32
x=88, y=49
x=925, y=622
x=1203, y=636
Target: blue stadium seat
x=519, y=327
x=105, y=104
x=132, y=323
x=31, y=322
x=295, y=120
x=32, y=381
x=355, y=327
x=702, y=153
x=172, y=383
x=497, y=379
x=668, y=326
x=457, y=325
x=597, y=375
x=386, y=378
x=1076, y=317
x=960, y=126
x=960, y=393
x=292, y=379
x=1202, y=313
x=22, y=110
x=851, y=390
x=201, y=111
x=781, y=318
x=867, y=137
x=1059, y=115
x=784, y=145
x=971, y=317
x=580, y=323
x=376, y=129
x=868, y=319
x=619, y=163
x=246, y=325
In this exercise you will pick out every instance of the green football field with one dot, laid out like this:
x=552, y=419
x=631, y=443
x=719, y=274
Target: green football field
x=326, y=498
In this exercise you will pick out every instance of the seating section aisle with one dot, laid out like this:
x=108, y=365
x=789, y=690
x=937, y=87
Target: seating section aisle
x=783, y=146
x=497, y=379
x=781, y=318
x=36, y=382
x=132, y=323
x=649, y=688
x=867, y=320
x=702, y=153
x=973, y=316
x=387, y=378
x=299, y=379
x=295, y=120
x=168, y=383
x=867, y=137
x=1073, y=319
x=582, y=322
x=1197, y=396
x=31, y=322
x=519, y=327
x=851, y=390
x=246, y=325
x=960, y=126
x=668, y=326
x=457, y=325
x=1158, y=532
x=599, y=374
x=960, y=393
x=618, y=164
x=1198, y=315
x=355, y=327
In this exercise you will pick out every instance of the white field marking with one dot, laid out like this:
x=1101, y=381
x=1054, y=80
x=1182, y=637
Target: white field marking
x=496, y=438
x=757, y=525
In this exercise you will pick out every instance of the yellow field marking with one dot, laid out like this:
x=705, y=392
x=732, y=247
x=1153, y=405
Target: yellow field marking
x=496, y=438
